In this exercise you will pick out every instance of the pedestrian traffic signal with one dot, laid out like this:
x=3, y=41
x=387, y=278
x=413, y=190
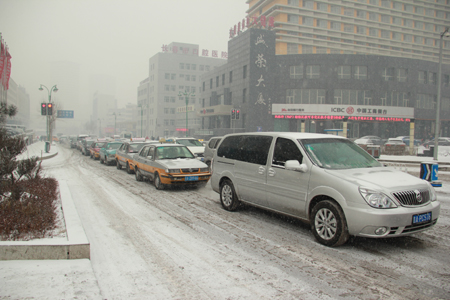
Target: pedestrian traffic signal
x=237, y=114
x=43, y=109
x=50, y=109
x=233, y=114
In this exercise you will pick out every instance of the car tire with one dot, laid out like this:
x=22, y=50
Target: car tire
x=137, y=175
x=157, y=182
x=118, y=165
x=102, y=161
x=328, y=224
x=129, y=171
x=228, y=196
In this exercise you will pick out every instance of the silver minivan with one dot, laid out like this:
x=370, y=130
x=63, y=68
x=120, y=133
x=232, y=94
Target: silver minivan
x=326, y=180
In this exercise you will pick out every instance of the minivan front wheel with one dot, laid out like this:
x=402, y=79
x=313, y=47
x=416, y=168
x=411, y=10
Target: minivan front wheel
x=328, y=223
x=228, y=196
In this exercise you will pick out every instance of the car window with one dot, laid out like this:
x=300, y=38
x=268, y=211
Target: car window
x=151, y=153
x=338, y=154
x=252, y=149
x=113, y=146
x=134, y=148
x=143, y=152
x=285, y=150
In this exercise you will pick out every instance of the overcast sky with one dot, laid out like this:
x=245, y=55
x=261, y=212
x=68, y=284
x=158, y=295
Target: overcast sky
x=114, y=37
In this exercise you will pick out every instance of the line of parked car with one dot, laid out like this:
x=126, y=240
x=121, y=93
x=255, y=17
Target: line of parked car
x=167, y=162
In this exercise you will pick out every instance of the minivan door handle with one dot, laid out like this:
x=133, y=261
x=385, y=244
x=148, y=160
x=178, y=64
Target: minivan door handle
x=271, y=172
x=261, y=170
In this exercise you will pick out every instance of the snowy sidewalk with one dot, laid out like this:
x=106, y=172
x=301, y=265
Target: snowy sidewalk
x=51, y=278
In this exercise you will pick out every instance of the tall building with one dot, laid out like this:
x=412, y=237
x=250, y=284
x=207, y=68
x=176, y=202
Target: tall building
x=409, y=28
x=177, y=70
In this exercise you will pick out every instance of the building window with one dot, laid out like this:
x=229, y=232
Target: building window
x=373, y=2
x=386, y=3
x=385, y=19
x=399, y=99
x=244, y=95
x=217, y=81
x=292, y=19
x=188, y=66
x=349, y=28
x=425, y=101
x=360, y=72
x=188, y=77
x=344, y=72
x=335, y=25
x=210, y=83
x=193, y=78
x=296, y=72
x=361, y=29
x=167, y=76
x=223, y=79
x=312, y=71
x=385, y=34
x=407, y=38
x=244, y=72
x=292, y=48
x=423, y=77
x=352, y=97
x=166, y=98
x=388, y=74
x=308, y=4
x=408, y=23
x=373, y=32
x=322, y=7
x=322, y=23
x=409, y=8
x=446, y=80
x=361, y=14
x=432, y=78
x=335, y=9
x=307, y=49
x=193, y=67
x=293, y=2
x=373, y=16
x=305, y=96
x=308, y=21
x=397, y=21
x=349, y=12
x=398, y=5
x=201, y=67
x=204, y=83
x=418, y=25
x=231, y=76
x=167, y=88
x=402, y=75
x=419, y=10
x=182, y=66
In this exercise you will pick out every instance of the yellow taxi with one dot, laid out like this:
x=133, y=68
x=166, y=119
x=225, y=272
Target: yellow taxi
x=170, y=164
x=124, y=155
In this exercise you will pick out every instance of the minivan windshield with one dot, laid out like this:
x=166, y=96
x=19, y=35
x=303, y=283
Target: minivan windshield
x=338, y=154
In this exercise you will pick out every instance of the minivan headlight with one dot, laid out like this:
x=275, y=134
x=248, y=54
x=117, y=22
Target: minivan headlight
x=376, y=199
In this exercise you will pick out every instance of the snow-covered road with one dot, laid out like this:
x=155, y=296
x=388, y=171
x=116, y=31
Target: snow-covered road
x=180, y=244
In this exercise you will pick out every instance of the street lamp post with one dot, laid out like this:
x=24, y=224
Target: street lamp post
x=186, y=98
x=49, y=129
x=438, y=100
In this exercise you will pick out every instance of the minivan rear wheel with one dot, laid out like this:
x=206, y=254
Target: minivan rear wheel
x=228, y=196
x=328, y=223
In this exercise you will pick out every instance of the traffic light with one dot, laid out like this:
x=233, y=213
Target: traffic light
x=233, y=114
x=237, y=114
x=50, y=109
x=43, y=109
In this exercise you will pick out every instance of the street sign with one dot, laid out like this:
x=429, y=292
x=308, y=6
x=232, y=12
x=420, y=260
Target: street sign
x=68, y=114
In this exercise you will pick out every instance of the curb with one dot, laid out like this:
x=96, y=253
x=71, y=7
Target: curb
x=76, y=246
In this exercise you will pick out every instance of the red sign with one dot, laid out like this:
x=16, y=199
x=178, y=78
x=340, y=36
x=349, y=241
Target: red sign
x=262, y=22
x=317, y=117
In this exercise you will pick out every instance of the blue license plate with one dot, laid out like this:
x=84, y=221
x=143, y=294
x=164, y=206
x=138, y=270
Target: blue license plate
x=190, y=178
x=422, y=218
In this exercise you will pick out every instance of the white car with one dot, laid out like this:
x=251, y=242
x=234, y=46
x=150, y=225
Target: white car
x=194, y=145
x=328, y=181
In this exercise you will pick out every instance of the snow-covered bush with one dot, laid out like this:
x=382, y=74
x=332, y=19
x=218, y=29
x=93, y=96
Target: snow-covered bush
x=27, y=200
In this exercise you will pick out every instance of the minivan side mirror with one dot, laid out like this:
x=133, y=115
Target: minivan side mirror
x=295, y=166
